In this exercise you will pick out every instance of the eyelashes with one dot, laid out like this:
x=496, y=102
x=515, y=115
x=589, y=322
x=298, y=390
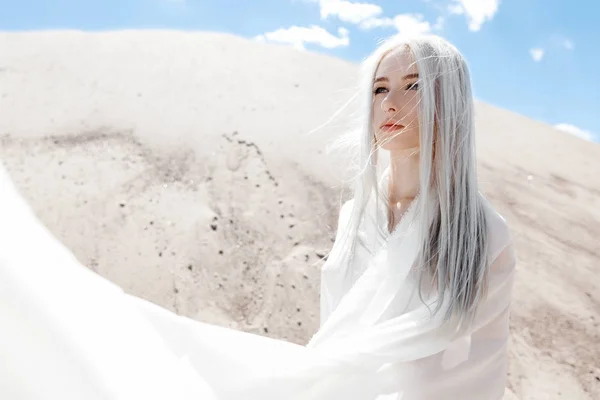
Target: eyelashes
x=410, y=86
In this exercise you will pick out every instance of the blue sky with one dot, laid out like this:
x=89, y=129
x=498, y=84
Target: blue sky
x=538, y=58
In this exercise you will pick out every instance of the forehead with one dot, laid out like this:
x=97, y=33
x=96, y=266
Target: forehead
x=398, y=62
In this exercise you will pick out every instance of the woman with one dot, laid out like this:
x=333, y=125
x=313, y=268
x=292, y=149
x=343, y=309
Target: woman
x=415, y=293
x=419, y=109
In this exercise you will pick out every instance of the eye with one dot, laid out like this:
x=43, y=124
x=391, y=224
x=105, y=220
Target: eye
x=412, y=86
x=379, y=90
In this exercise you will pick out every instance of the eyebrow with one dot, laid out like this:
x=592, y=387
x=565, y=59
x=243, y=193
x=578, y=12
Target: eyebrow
x=385, y=79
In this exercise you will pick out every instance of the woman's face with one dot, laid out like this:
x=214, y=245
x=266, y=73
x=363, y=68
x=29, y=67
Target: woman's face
x=395, y=102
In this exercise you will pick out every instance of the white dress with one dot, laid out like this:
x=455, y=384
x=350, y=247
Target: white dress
x=67, y=333
x=472, y=365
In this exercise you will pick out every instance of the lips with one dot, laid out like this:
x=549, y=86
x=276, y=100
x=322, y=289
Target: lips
x=391, y=126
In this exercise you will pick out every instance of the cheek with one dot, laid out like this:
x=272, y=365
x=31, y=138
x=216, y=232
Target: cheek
x=377, y=117
x=412, y=114
x=413, y=111
x=376, y=108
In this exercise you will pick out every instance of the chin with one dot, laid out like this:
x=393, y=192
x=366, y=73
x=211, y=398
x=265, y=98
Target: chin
x=395, y=146
x=400, y=148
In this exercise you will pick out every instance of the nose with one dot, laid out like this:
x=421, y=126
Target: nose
x=388, y=105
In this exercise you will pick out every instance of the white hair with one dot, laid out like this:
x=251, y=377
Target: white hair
x=453, y=252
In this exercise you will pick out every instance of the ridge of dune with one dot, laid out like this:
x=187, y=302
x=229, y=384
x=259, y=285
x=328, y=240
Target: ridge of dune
x=178, y=165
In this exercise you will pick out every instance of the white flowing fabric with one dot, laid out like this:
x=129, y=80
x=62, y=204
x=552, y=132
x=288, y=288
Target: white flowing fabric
x=67, y=333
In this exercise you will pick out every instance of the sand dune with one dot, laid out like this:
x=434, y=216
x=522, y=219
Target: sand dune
x=179, y=166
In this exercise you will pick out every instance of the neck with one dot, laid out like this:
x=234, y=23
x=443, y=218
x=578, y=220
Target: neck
x=403, y=183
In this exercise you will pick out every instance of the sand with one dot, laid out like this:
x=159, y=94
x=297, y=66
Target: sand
x=179, y=166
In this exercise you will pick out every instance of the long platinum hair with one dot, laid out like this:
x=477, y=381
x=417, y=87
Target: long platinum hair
x=453, y=252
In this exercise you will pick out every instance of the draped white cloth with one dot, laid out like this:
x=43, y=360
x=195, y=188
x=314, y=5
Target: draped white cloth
x=67, y=333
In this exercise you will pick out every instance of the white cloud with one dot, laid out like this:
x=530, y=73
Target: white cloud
x=376, y=23
x=439, y=23
x=537, y=54
x=299, y=36
x=476, y=11
x=456, y=9
x=411, y=24
x=573, y=130
x=368, y=16
x=347, y=11
x=568, y=44
x=405, y=24
x=562, y=42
